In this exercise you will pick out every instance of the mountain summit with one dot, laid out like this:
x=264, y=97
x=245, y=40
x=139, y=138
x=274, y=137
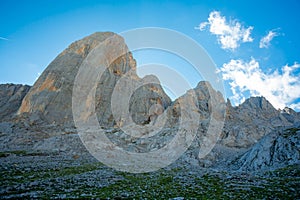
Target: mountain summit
x=50, y=98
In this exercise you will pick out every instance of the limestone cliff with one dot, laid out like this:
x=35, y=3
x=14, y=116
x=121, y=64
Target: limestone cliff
x=11, y=97
x=51, y=95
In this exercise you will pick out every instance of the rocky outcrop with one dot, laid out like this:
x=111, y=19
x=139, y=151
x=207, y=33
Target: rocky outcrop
x=277, y=149
x=291, y=115
x=250, y=121
x=208, y=103
x=50, y=98
x=11, y=97
x=51, y=94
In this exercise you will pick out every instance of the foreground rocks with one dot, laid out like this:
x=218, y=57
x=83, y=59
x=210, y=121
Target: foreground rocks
x=48, y=177
x=279, y=148
x=37, y=164
x=46, y=161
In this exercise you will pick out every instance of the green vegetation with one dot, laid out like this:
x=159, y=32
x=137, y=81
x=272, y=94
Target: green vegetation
x=290, y=132
x=282, y=183
x=15, y=175
x=7, y=153
x=22, y=153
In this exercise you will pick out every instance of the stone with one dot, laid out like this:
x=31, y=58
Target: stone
x=51, y=95
x=11, y=96
x=250, y=121
x=291, y=115
x=277, y=149
x=6, y=127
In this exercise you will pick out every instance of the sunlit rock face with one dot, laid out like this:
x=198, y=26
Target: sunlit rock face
x=50, y=98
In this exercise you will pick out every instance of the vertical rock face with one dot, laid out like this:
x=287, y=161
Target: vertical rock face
x=149, y=101
x=208, y=102
x=51, y=95
x=11, y=97
x=211, y=110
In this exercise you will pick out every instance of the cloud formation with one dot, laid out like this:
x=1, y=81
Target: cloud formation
x=229, y=34
x=3, y=38
x=281, y=88
x=266, y=40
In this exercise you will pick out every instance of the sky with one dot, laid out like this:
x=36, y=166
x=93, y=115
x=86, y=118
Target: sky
x=254, y=44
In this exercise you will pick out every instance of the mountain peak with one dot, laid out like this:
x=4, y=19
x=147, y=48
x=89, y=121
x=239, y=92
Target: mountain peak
x=83, y=46
x=257, y=103
x=51, y=95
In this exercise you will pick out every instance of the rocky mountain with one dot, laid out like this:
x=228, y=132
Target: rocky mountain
x=37, y=132
x=247, y=123
x=49, y=101
x=50, y=97
x=11, y=97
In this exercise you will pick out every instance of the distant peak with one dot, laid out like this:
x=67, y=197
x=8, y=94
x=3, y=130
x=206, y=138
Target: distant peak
x=288, y=110
x=204, y=84
x=99, y=35
x=257, y=102
x=228, y=103
x=85, y=45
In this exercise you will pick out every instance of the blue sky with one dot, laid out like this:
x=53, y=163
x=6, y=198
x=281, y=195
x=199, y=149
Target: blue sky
x=255, y=44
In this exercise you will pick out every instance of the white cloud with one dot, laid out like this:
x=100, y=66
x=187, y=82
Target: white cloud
x=266, y=40
x=281, y=88
x=295, y=106
x=3, y=38
x=230, y=34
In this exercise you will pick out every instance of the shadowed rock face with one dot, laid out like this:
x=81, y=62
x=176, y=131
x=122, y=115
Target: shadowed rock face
x=51, y=95
x=250, y=121
x=277, y=149
x=11, y=97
